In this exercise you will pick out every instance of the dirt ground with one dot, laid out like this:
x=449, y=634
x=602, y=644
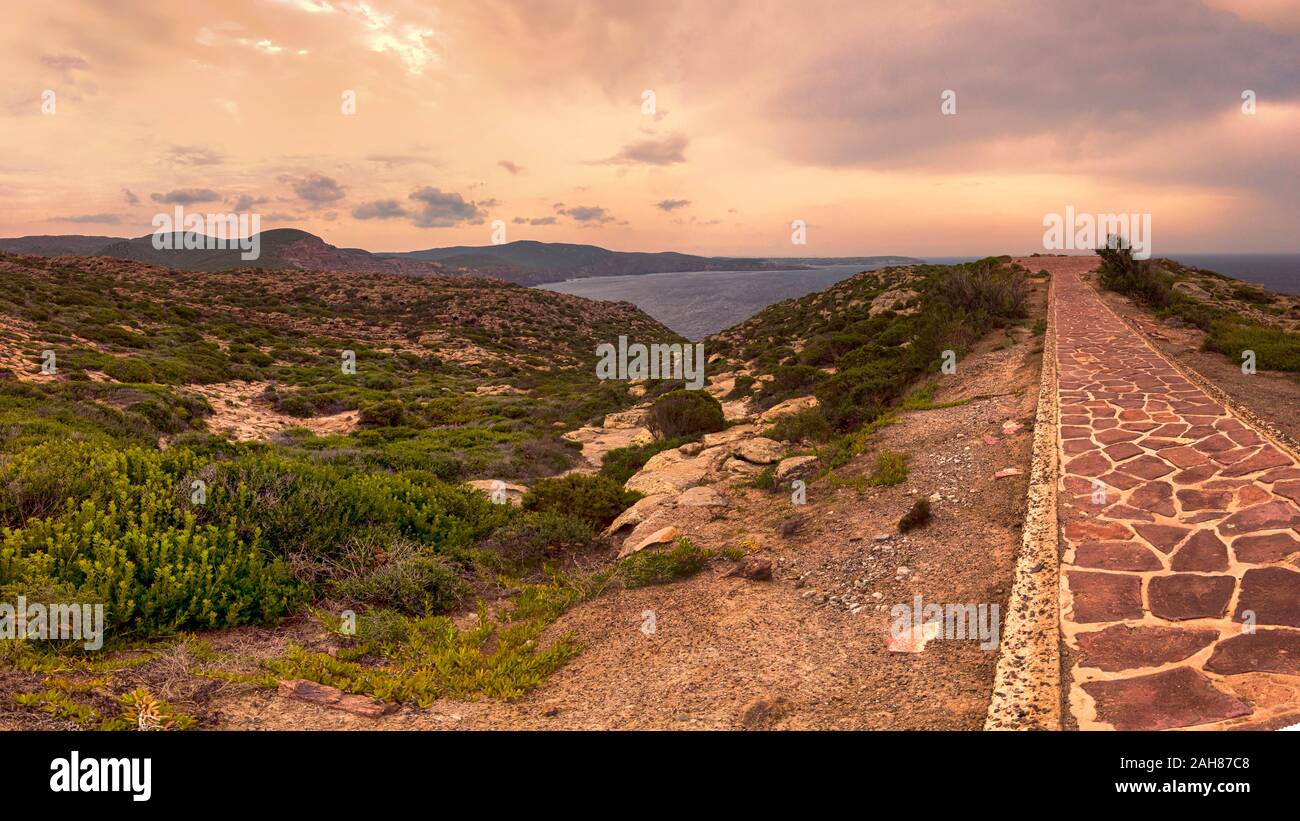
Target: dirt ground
x=787, y=653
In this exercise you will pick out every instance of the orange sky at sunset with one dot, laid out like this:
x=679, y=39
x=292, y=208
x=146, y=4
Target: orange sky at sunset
x=530, y=112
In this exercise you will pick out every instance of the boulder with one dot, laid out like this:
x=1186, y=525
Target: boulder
x=759, y=450
x=634, y=418
x=794, y=467
x=663, y=535
x=334, y=698
x=637, y=513
x=514, y=493
x=702, y=496
x=788, y=407
x=759, y=570
x=673, y=471
x=731, y=434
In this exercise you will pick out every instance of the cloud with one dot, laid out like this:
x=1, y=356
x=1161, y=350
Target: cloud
x=391, y=160
x=1043, y=104
x=513, y=168
x=671, y=205
x=247, y=201
x=586, y=213
x=380, y=210
x=535, y=221
x=491, y=202
x=195, y=155
x=130, y=197
x=64, y=62
x=101, y=219
x=186, y=196
x=316, y=189
x=664, y=151
x=441, y=209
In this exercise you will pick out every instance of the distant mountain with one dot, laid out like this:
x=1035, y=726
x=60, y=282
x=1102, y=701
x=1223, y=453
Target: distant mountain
x=526, y=262
x=56, y=245
x=531, y=262
x=280, y=249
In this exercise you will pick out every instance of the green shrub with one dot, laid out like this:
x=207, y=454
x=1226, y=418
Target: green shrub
x=295, y=405
x=538, y=535
x=386, y=414
x=742, y=387
x=658, y=566
x=792, y=378
x=595, y=499
x=808, y=424
x=891, y=469
x=1275, y=349
x=685, y=413
x=1138, y=277
x=417, y=585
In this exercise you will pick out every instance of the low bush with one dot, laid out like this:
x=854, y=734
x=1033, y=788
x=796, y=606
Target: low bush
x=1275, y=349
x=891, y=469
x=417, y=585
x=809, y=424
x=660, y=566
x=685, y=413
x=596, y=500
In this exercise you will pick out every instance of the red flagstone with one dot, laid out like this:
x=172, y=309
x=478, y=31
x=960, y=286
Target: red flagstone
x=1124, y=647
x=1273, y=594
x=1202, y=514
x=1264, y=651
x=1181, y=697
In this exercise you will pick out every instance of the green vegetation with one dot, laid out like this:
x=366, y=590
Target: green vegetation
x=1227, y=331
x=685, y=413
x=657, y=566
x=876, y=354
x=891, y=469
x=596, y=500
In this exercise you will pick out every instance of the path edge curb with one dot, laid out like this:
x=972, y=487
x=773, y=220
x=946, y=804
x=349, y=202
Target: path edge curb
x=1027, y=683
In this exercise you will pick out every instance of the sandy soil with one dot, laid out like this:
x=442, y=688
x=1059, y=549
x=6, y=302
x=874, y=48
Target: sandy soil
x=238, y=411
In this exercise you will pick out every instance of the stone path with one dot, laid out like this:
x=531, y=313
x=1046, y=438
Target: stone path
x=1179, y=529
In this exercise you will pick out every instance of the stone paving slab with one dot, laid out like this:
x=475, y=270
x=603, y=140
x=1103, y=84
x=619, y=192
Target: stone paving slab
x=1180, y=565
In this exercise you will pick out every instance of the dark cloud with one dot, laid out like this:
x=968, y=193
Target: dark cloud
x=586, y=213
x=439, y=209
x=103, y=219
x=380, y=210
x=491, y=202
x=130, y=197
x=247, y=201
x=195, y=155
x=511, y=167
x=186, y=196
x=534, y=221
x=671, y=205
x=663, y=151
x=316, y=189
x=1017, y=75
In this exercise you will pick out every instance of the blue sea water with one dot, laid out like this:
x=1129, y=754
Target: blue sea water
x=699, y=303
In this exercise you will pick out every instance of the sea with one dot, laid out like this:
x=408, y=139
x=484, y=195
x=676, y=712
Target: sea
x=698, y=303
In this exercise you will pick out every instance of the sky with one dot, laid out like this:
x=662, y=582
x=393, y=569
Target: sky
x=923, y=127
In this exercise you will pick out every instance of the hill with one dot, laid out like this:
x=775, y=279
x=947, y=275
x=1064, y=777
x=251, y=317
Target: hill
x=525, y=262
